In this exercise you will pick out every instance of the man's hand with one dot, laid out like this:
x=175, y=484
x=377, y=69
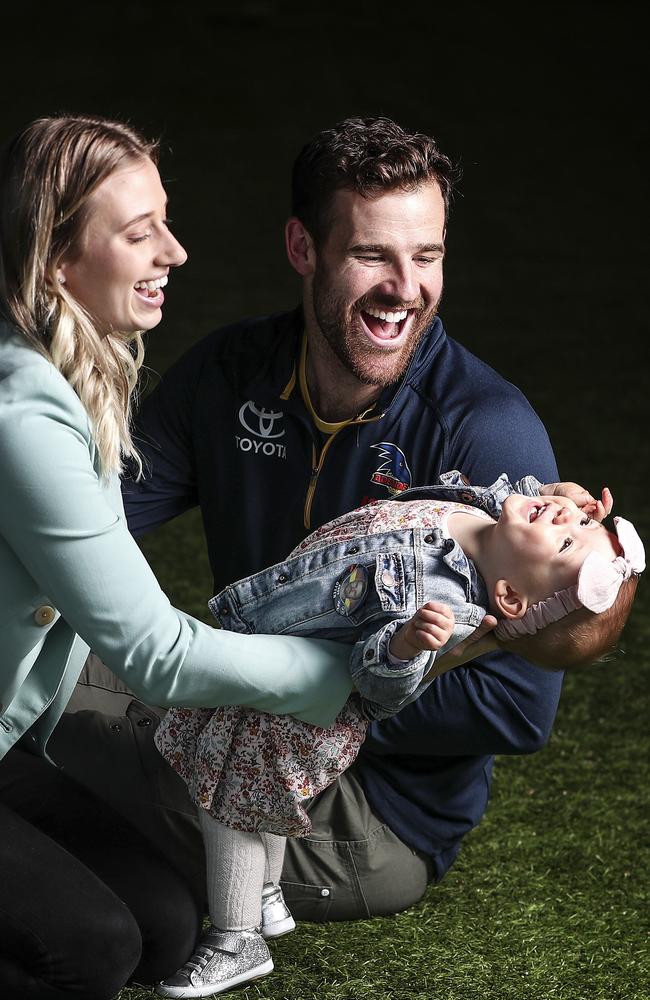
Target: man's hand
x=429, y=628
x=479, y=642
x=582, y=498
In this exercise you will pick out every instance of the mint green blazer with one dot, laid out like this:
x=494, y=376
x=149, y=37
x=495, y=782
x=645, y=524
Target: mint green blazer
x=73, y=578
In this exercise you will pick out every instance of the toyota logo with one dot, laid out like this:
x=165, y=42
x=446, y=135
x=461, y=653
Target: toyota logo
x=260, y=421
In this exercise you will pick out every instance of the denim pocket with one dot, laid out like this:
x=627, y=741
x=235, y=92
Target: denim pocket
x=390, y=582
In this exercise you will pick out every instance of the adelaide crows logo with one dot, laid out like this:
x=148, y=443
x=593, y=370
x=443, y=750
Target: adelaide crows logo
x=393, y=473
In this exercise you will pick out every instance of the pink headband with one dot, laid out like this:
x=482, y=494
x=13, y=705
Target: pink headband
x=599, y=582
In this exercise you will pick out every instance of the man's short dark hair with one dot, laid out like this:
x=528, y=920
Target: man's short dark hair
x=366, y=155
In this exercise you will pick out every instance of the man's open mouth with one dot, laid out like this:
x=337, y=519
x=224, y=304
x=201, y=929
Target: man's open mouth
x=386, y=324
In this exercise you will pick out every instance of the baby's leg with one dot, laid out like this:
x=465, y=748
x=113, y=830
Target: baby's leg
x=236, y=864
x=233, y=951
x=276, y=915
x=274, y=847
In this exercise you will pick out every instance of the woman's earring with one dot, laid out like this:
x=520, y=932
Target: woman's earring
x=61, y=279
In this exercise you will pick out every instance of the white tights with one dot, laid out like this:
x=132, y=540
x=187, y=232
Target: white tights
x=239, y=865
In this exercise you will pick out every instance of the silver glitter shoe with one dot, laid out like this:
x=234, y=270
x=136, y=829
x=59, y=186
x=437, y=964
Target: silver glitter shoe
x=222, y=960
x=276, y=915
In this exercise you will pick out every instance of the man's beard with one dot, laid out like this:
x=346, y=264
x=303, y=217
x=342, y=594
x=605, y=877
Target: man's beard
x=341, y=328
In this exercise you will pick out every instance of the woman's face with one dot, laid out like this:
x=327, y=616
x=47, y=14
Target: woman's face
x=125, y=251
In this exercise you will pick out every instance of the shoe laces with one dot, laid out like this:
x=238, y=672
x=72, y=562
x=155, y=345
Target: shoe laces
x=198, y=961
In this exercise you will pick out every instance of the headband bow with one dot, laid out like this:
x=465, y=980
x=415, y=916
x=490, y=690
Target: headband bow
x=599, y=581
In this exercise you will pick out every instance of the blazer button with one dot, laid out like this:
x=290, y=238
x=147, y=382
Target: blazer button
x=44, y=615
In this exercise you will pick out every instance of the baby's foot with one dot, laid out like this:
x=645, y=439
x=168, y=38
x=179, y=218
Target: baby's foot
x=223, y=959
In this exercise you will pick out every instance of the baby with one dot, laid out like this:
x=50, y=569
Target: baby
x=403, y=581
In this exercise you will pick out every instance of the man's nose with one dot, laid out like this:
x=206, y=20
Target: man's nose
x=402, y=283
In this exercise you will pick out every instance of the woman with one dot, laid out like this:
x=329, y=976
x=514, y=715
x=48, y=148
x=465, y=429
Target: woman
x=85, y=252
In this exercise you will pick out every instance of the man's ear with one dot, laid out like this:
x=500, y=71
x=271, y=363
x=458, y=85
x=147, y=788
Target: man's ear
x=508, y=602
x=300, y=247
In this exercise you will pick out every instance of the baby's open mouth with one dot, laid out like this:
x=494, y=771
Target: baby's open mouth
x=536, y=512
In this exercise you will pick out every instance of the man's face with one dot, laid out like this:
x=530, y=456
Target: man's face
x=377, y=279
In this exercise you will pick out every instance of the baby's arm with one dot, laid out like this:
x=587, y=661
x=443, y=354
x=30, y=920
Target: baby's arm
x=389, y=666
x=582, y=498
x=430, y=628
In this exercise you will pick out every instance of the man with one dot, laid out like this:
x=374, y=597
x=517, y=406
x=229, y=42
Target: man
x=277, y=425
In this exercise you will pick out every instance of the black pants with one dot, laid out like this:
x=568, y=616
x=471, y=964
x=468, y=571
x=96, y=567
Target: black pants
x=86, y=903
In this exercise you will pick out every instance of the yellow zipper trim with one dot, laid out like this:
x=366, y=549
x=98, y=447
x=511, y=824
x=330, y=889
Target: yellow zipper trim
x=290, y=386
x=333, y=429
x=317, y=465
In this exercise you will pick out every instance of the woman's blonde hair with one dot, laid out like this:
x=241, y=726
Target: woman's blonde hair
x=47, y=175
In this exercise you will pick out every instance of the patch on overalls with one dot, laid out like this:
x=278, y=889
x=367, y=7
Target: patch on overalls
x=350, y=590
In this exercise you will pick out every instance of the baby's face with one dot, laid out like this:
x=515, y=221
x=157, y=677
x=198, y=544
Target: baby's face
x=543, y=542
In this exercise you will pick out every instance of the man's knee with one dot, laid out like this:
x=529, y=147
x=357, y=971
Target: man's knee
x=353, y=880
x=352, y=866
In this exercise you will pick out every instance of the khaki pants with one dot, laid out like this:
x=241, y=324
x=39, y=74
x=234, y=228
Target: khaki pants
x=351, y=866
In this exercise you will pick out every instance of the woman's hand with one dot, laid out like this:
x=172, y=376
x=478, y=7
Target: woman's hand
x=582, y=498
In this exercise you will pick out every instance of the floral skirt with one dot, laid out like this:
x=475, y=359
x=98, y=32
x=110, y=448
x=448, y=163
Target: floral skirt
x=256, y=772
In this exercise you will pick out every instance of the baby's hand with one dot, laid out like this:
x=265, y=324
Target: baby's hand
x=582, y=498
x=478, y=643
x=430, y=628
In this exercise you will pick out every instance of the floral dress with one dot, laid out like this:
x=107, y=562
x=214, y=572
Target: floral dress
x=256, y=772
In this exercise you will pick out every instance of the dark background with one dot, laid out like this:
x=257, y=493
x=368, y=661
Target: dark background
x=543, y=105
